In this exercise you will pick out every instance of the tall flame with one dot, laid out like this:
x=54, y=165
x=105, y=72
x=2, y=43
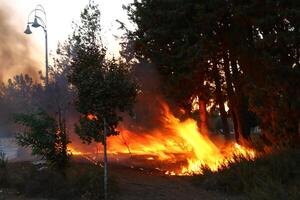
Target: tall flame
x=177, y=142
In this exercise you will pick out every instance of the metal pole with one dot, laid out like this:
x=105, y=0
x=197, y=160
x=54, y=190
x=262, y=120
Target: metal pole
x=36, y=24
x=105, y=160
x=46, y=58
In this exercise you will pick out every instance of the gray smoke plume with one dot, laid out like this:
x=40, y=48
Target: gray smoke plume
x=15, y=48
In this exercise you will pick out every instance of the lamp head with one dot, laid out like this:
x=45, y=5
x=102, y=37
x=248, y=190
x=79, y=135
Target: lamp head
x=35, y=23
x=27, y=31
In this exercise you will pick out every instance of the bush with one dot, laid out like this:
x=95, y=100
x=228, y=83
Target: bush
x=46, y=184
x=18, y=175
x=3, y=178
x=87, y=179
x=81, y=181
x=45, y=136
x=275, y=176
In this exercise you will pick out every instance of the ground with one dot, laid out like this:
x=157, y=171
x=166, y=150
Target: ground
x=138, y=183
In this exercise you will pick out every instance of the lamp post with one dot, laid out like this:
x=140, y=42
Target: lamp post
x=36, y=23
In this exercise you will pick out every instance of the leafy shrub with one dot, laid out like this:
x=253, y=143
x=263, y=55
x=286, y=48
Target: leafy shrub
x=46, y=138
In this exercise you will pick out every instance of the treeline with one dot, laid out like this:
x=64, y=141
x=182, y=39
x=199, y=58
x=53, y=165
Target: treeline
x=238, y=58
x=243, y=54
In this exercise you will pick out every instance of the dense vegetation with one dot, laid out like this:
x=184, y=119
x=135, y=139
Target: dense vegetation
x=242, y=53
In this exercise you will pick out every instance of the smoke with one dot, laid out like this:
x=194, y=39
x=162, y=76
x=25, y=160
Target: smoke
x=16, y=54
x=148, y=109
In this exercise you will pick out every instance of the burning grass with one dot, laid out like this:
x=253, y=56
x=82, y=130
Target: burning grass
x=273, y=176
x=176, y=146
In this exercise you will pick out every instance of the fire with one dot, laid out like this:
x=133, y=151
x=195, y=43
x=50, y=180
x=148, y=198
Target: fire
x=176, y=142
x=91, y=117
x=74, y=151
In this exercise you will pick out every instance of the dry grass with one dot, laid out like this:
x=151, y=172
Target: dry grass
x=81, y=181
x=275, y=176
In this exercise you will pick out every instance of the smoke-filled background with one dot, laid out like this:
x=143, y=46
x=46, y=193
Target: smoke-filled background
x=16, y=49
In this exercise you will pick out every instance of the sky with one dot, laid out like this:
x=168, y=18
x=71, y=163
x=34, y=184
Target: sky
x=61, y=14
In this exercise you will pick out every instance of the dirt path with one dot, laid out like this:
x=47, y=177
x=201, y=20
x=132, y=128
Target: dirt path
x=138, y=184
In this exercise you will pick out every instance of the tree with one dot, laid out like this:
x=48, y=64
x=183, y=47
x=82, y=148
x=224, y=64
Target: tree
x=166, y=37
x=182, y=39
x=240, y=49
x=45, y=137
x=275, y=97
x=104, y=88
x=17, y=96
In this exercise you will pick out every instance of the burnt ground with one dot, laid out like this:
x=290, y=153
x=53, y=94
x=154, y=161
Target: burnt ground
x=146, y=184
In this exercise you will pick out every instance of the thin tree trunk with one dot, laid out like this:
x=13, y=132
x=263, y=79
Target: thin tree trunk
x=231, y=98
x=203, y=117
x=242, y=103
x=105, y=161
x=220, y=101
x=125, y=143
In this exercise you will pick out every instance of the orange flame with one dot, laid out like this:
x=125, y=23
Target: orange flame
x=91, y=117
x=74, y=151
x=175, y=142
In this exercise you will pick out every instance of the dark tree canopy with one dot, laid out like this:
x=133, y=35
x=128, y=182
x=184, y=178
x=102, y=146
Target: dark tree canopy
x=243, y=53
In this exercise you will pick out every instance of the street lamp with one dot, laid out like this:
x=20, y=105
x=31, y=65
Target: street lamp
x=36, y=23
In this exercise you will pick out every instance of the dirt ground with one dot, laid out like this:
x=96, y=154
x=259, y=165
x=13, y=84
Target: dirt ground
x=137, y=184
x=142, y=184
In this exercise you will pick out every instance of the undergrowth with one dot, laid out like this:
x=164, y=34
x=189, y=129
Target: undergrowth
x=269, y=177
x=81, y=181
x=3, y=169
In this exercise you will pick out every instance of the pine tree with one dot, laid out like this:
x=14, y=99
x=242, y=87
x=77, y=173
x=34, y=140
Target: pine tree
x=45, y=137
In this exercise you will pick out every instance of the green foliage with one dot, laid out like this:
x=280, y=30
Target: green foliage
x=45, y=138
x=113, y=94
x=274, y=176
x=104, y=88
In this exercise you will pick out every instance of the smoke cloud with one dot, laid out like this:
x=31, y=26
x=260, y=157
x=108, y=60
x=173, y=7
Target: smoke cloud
x=16, y=55
x=148, y=109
